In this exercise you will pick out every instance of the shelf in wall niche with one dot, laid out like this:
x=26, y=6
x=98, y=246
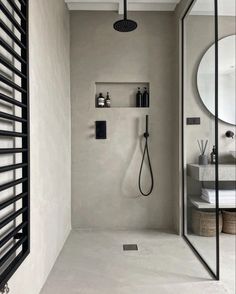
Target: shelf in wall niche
x=122, y=94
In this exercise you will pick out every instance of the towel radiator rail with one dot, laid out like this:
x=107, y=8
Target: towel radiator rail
x=15, y=222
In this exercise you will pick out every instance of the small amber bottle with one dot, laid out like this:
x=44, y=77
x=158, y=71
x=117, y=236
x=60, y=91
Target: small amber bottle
x=213, y=155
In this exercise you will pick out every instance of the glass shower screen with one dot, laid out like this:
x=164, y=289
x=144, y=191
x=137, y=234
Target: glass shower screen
x=201, y=219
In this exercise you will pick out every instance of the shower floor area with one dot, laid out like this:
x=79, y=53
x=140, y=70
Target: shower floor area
x=93, y=262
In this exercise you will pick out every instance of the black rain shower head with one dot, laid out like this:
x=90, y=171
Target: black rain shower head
x=125, y=25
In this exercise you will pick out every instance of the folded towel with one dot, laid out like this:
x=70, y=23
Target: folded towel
x=225, y=196
x=220, y=197
x=222, y=193
x=221, y=200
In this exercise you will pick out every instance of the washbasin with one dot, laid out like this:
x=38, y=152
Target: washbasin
x=233, y=153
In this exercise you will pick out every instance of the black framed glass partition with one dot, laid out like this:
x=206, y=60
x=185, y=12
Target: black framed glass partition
x=202, y=220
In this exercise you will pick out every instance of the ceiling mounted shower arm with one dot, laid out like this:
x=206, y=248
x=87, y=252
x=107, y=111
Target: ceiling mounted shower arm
x=125, y=9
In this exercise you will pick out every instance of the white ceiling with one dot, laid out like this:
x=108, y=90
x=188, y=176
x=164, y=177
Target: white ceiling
x=206, y=7
x=117, y=5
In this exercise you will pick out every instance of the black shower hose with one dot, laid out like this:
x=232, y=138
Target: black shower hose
x=146, y=150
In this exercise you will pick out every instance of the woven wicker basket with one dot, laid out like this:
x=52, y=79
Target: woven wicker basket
x=229, y=222
x=204, y=223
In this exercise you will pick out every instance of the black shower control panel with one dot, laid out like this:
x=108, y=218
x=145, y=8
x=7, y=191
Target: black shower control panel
x=193, y=120
x=101, y=129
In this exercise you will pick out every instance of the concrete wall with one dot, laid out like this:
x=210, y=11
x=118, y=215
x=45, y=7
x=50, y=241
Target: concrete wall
x=177, y=131
x=50, y=142
x=105, y=173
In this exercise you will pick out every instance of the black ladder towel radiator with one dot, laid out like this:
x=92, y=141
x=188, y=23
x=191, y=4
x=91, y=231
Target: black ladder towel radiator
x=14, y=138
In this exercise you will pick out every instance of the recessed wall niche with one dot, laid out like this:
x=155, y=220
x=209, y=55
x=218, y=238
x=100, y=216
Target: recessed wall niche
x=122, y=94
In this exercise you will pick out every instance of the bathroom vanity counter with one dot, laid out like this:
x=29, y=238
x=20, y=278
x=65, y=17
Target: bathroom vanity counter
x=227, y=172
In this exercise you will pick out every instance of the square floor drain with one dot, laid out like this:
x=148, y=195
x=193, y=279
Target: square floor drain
x=130, y=247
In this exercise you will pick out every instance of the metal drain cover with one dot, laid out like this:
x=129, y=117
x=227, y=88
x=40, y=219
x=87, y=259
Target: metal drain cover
x=130, y=247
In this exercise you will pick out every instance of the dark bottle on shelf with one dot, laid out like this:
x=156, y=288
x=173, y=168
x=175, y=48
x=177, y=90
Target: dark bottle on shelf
x=213, y=155
x=139, y=98
x=108, y=100
x=145, y=99
x=100, y=101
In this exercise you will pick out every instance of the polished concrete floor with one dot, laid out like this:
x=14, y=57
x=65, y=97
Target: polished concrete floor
x=93, y=262
x=207, y=248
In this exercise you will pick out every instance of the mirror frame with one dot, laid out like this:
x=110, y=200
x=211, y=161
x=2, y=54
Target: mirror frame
x=211, y=47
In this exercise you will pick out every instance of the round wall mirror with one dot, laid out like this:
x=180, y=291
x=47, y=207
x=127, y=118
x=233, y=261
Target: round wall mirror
x=226, y=86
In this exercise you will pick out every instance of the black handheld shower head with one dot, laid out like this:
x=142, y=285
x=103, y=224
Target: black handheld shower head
x=146, y=151
x=125, y=25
